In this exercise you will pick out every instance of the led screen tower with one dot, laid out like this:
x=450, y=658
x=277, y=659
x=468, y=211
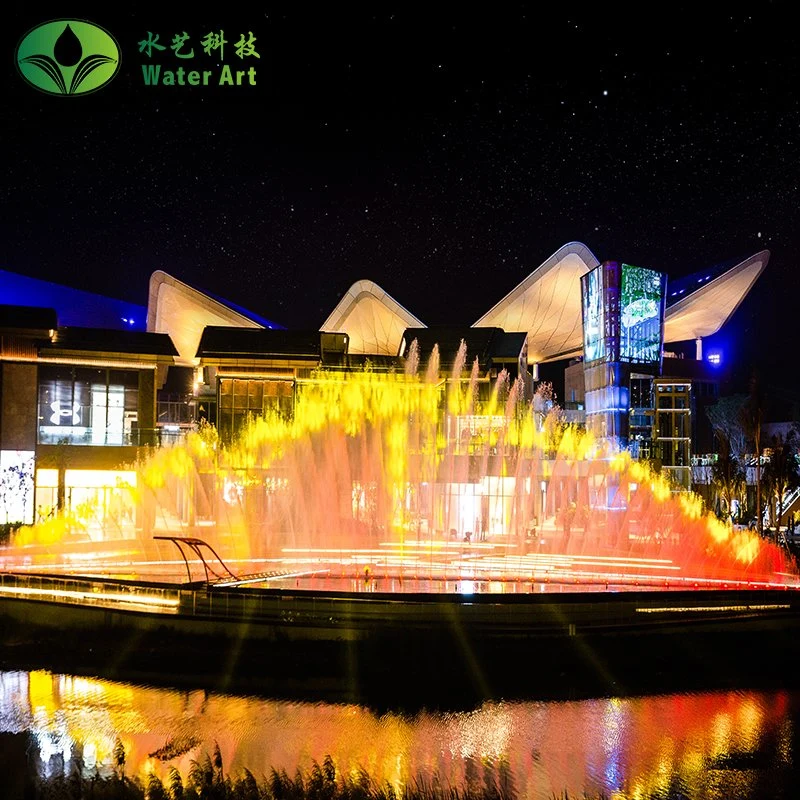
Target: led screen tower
x=623, y=325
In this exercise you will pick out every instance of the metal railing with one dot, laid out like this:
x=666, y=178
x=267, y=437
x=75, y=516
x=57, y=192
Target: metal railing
x=100, y=437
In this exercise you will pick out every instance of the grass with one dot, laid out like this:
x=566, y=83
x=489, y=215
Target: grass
x=206, y=780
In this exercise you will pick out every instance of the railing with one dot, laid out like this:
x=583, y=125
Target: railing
x=789, y=499
x=101, y=437
x=704, y=459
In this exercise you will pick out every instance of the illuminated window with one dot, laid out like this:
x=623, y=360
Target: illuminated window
x=241, y=399
x=87, y=406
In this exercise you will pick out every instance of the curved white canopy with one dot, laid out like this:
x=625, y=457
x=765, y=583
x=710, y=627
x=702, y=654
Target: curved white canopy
x=547, y=304
x=183, y=312
x=704, y=311
x=373, y=319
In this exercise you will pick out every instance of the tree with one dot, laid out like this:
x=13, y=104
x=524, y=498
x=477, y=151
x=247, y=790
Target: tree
x=119, y=760
x=727, y=473
x=728, y=477
x=726, y=421
x=752, y=417
x=782, y=471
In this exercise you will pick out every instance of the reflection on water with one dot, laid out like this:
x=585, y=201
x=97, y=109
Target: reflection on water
x=713, y=745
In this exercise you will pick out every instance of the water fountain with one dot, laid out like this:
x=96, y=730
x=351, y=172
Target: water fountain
x=436, y=484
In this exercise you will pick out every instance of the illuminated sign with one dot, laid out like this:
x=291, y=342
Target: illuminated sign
x=640, y=313
x=594, y=342
x=65, y=413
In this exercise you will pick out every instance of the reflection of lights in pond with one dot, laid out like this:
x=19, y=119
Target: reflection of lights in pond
x=641, y=746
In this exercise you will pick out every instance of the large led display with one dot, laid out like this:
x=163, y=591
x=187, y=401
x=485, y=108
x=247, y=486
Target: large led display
x=594, y=340
x=640, y=302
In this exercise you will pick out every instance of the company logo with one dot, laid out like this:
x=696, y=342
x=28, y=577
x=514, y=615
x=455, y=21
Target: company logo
x=68, y=57
x=185, y=50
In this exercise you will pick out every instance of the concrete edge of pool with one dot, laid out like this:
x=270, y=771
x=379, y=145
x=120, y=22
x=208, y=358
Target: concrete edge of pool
x=413, y=649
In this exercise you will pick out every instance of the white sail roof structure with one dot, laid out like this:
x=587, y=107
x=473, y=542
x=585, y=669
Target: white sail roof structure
x=704, y=311
x=183, y=312
x=547, y=304
x=373, y=320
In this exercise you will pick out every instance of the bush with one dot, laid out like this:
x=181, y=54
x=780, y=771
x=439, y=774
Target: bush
x=6, y=529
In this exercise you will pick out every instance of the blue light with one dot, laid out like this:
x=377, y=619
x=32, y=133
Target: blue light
x=714, y=358
x=130, y=322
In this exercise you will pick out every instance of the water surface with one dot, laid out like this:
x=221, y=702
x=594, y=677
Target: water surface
x=725, y=745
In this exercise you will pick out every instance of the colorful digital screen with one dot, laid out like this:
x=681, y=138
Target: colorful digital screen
x=594, y=342
x=640, y=302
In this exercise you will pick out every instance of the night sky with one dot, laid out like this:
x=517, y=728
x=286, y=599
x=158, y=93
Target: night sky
x=443, y=153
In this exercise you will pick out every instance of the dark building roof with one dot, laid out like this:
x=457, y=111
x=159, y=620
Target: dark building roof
x=102, y=340
x=693, y=369
x=28, y=320
x=509, y=346
x=489, y=345
x=262, y=343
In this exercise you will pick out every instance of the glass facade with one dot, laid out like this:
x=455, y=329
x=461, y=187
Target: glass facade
x=594, y=334
x=82, y=405
x=241, y=399
x=641, y=417
x=673, y=431
x=623, y=314
x=98, y=504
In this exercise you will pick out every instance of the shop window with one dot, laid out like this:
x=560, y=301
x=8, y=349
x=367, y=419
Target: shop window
x=241, y=400
x=87, y=406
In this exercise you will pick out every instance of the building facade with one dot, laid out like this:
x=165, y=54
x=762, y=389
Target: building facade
x=80, y=404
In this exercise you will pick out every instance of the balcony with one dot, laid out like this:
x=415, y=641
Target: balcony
x=161, y=436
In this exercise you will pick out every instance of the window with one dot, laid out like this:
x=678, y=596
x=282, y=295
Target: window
x=80, y=405
x=241, y=399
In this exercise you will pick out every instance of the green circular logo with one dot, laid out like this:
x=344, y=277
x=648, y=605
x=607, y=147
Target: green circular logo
x=68, y=57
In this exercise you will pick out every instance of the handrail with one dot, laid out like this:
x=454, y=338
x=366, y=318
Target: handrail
x=196, y=545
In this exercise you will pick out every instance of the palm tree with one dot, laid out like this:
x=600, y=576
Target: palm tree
x=782, y=471
x=728, y=477
x=752, y=413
